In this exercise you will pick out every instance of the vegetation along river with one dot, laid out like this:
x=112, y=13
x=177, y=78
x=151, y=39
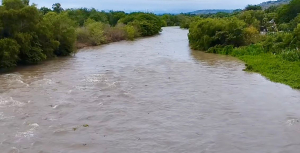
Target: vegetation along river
x=150, y=95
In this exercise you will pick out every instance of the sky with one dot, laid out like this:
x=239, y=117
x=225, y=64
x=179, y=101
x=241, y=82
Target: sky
x=176, y=6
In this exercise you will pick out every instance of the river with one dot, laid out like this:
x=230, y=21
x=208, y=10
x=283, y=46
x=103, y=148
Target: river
x=153, y=95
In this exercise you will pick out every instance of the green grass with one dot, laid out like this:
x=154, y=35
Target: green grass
x=282, y=68
x=275, y=68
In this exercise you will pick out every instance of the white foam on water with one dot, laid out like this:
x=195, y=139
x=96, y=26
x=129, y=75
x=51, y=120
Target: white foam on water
x=55, y=106
x=95, y=78
x=10, y=102
x=29, y=133
x=22, y=82
x=15, y=80
x=70, y=91
x=44, y=82
x=81, y=88
x=292, y=122
x=3, y=117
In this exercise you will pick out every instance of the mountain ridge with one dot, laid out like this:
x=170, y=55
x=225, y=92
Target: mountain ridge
x=264, y=5
x=267, y=4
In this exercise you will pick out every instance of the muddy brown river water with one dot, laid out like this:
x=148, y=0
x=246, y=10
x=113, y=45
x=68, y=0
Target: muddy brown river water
x=153, y=95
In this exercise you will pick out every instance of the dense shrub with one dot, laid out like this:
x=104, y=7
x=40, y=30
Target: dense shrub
x=9, y=50
x=288, y=12
x=147, y=24
x=116, y=33
x=131, y=32
x=210, y=32
x=291, y=55
x=34, y=37
x=95, y=32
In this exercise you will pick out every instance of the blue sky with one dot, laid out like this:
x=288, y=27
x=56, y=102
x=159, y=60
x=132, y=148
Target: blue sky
x=150, y=5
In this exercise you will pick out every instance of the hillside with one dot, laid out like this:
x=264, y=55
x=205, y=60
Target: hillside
x=263, y=5
x=211, y=11
x=271, y=3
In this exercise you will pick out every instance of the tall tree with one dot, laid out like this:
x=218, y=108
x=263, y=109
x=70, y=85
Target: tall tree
x=57, y=8
x=45, y=10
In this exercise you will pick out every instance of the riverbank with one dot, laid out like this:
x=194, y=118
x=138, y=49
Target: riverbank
x=272, y=66
x=149, y=95
x=274, y=54
x=58, y=32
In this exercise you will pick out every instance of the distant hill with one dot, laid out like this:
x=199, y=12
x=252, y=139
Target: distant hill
x=264, y=5
x=275, y=3
x=210, y=11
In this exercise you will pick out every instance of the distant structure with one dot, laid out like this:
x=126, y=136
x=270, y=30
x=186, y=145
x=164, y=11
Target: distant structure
x=263, y=30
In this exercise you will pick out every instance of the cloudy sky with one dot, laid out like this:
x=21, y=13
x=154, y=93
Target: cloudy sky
x=150, y=5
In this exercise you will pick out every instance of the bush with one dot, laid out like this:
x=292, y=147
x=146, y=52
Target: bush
x=277, y=42
x=207, y=33
x=293, y=55
x=251, y=35
x=116, y=33
x=146, y=23
x=131, y=32
x=92, y=33
x=9, y=50
x=64, y=32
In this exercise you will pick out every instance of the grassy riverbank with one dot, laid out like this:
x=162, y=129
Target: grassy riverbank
x=275, y=54
x=274, y=68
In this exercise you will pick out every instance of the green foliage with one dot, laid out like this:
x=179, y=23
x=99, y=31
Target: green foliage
x=64, y=29
x=114, y=17
x=13, y=4
x=9, y=50
x=34, y=37
x=272, y=9
x=253, y=7
x=95, y=32
x=209, y=32
x=253, y=18
x=171, y=20
x=82, y=14
x=147, y=24
x=274, y=68
x=288, y=12
x=275, y=54
x=57, y=8
x=291, y=55
x=45, y=10
x=131, y=32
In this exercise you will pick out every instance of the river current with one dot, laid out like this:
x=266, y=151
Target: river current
x=152, y=95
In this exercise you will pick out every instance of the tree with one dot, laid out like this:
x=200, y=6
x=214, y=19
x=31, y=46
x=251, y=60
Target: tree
x=9, y=50
x=211, y=32
x=57, y=8
x=45, y=10
x=63, y=29
x=13, y=4
x=25, y=2
x=148, y=24
x=288, y=12
x=253, y=7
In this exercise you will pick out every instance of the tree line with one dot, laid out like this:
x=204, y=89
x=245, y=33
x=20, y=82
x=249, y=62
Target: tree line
x=30, y=35
x=268, y=40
